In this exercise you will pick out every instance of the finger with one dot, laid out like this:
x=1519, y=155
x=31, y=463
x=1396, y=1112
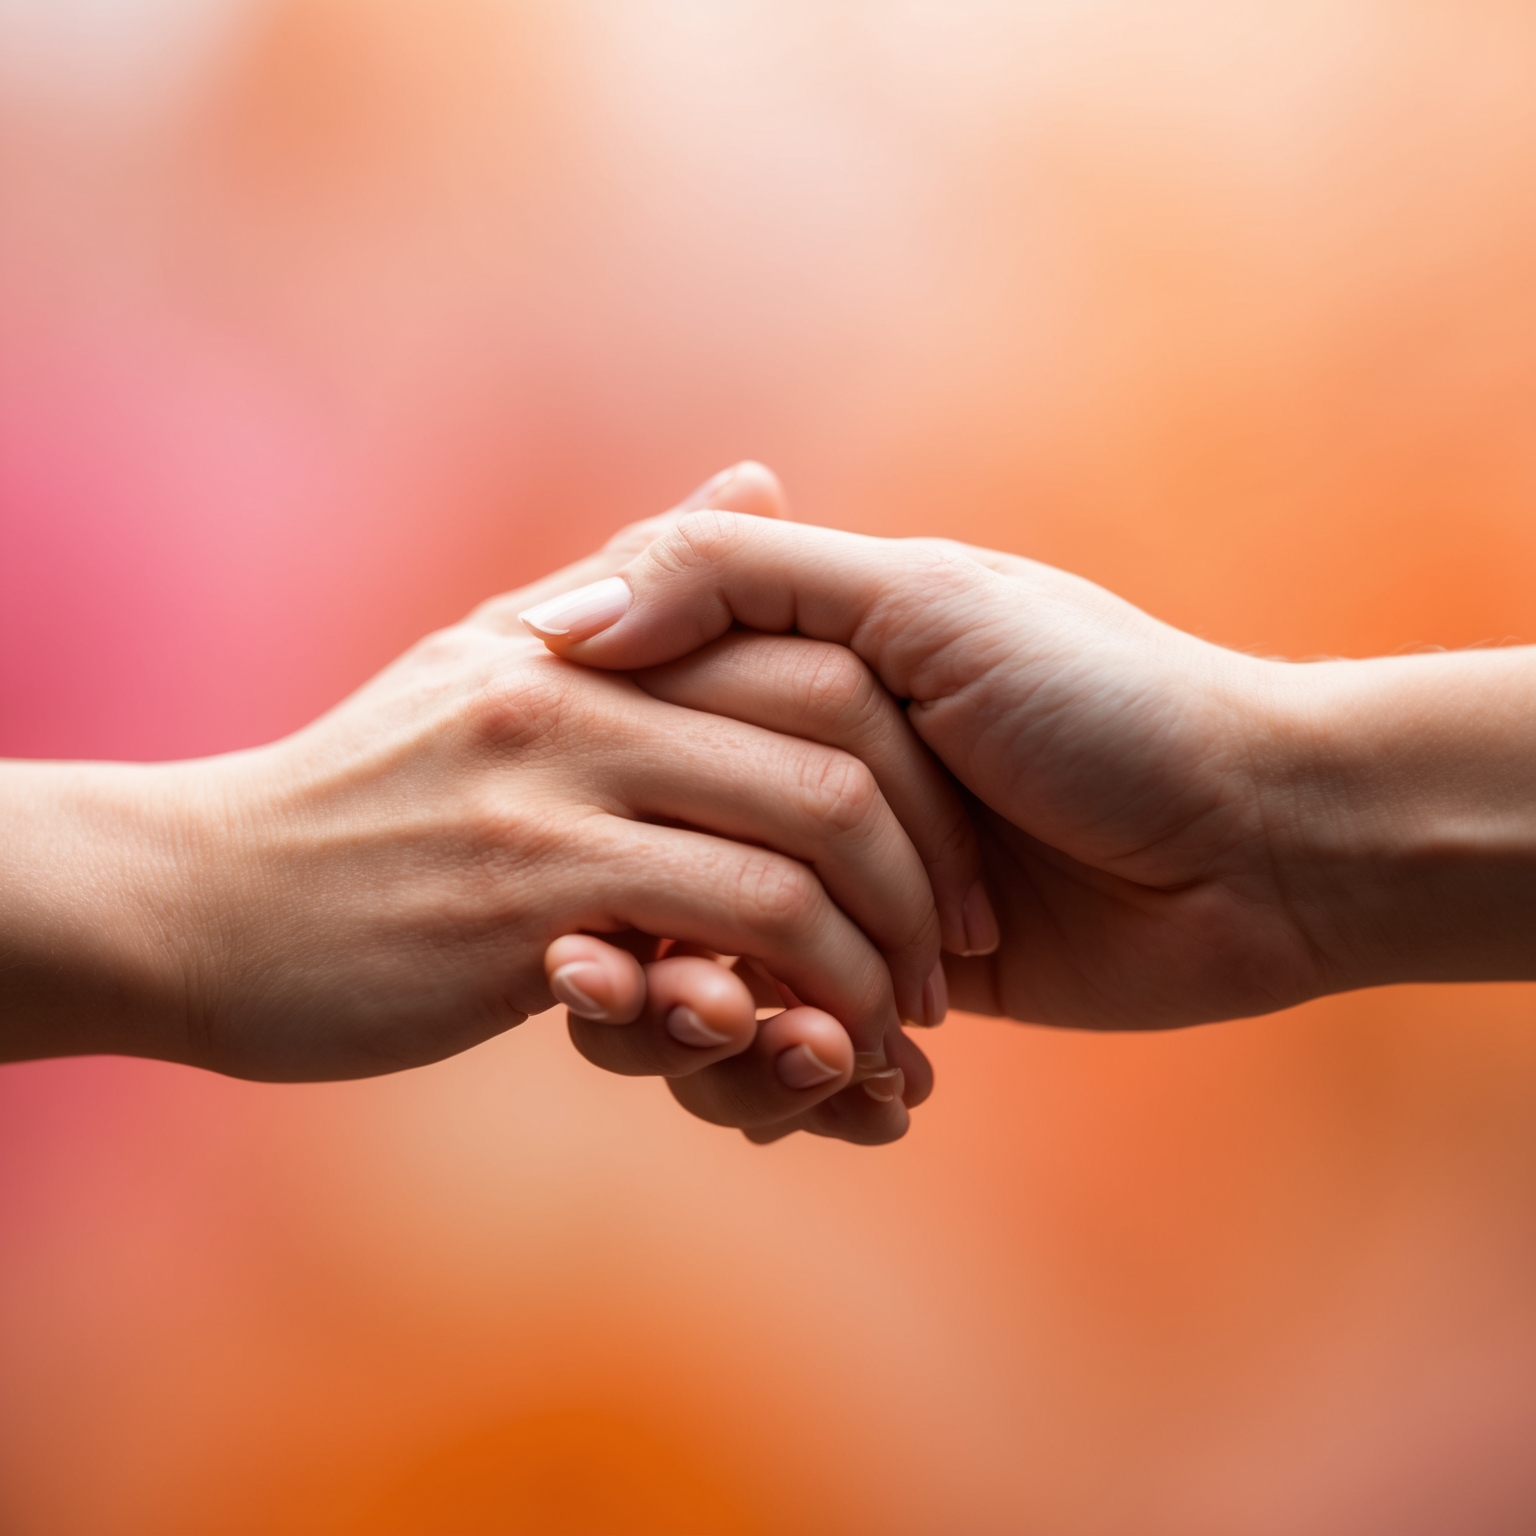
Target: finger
x=849, y=1115
x=738, y=900
x=645, y=947
x=868, y=1113
x=594, y=979
x=907, y=1057
x=766, y=1135
x=749, y=488
x=696, y=1013
x=822, y=692
x=855, y=1117
x=974, y=984
x=796, y=1059
x=900, y=604
x=808, y=801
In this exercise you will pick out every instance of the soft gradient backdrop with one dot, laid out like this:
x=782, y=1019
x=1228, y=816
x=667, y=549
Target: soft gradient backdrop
x=322, y=319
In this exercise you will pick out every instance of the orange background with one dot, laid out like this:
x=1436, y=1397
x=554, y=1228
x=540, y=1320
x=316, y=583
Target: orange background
x=321, y=319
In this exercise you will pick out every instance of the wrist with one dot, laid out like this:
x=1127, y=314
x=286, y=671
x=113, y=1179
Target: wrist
x=94, y=902
x=1399, y=801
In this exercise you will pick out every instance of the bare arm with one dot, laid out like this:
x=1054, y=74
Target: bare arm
x=92, y=873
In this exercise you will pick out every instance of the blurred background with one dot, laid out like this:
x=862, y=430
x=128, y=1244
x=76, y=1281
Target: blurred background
x=322, y=319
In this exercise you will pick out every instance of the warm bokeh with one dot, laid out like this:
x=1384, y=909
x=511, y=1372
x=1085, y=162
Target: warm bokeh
x=321, y=319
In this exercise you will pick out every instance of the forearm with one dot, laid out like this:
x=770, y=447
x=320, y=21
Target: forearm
x=90, y=871
x=1402, y=815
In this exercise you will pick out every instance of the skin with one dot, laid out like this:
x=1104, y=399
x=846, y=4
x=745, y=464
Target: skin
x=403, y=878
x=1172, y=833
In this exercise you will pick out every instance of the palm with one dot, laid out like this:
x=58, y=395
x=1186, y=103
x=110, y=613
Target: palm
x=1085, y=947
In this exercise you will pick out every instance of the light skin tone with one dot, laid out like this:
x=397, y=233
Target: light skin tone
x=1173, y=833
x=1170, y=833
x=429, y=863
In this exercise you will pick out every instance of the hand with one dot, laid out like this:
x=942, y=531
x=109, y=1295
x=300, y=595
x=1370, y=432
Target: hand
x=797, y=687
x=696, y=1021
x=610, y=984
x=1172, y=832
x=380, y=889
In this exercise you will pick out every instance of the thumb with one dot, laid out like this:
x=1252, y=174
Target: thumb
x=897, y=603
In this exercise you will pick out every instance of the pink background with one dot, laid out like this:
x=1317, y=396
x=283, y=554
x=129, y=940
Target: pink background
x=322, y=319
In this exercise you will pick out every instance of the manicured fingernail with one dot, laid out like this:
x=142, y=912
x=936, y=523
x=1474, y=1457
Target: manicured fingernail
x=580, y=614
x=886, y=1087
x=801, y=1067
x=687, y=1028
x=566, y=985
x=705, y=495
x=935, y=997
x=981, y=931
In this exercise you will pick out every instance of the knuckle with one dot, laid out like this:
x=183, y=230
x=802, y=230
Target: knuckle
x=481, y=851
x=866, y=1001
x=944, y=567
x=777, y=895
x=841, y=689
x=699, y=541
x=499, y=841
x=496, y=825
x=515, y=707
x=843, y=792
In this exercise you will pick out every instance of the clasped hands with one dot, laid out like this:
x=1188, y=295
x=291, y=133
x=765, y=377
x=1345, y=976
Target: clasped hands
x=750, y=798
x=1035, y=828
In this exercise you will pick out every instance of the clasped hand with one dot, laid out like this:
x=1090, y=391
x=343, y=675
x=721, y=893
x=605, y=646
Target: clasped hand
x=750, y=798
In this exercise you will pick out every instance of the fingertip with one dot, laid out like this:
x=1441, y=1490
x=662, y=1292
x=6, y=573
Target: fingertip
x=754, y=489
x=700, y=1002
x=595, y=980
x=810, y=1050
x=580, y=614
x=916, y=1070
x=747, y=487
x=801, y=1068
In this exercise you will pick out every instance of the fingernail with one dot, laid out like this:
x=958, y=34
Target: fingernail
x=702, y=496
x=582, y=613
x=981, y=931
x=935, y=997
x=866, y=1063
x=886, y=1087
x=568, y=989
x=687, y=1028
x=801, y=1067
